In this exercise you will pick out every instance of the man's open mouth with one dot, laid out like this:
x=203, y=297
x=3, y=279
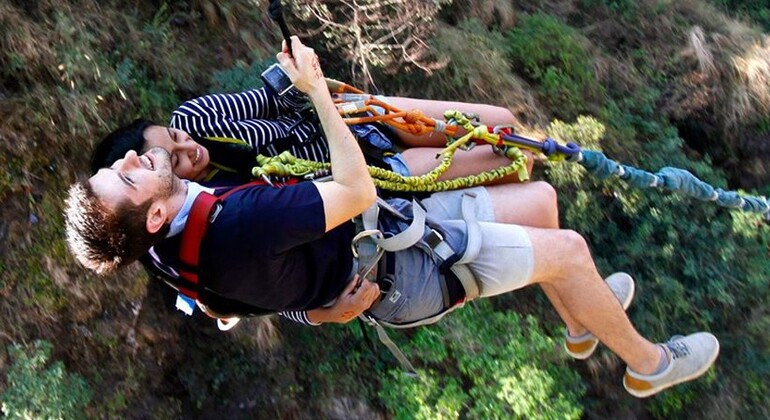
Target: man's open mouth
x=148, y=163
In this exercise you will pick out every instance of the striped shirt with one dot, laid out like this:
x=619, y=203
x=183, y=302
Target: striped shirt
x=269, y=123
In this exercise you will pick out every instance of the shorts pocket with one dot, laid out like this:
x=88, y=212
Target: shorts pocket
x=392, y=308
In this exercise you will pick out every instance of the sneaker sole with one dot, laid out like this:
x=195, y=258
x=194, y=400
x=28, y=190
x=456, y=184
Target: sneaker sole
x=579, y=353
x=652, y=391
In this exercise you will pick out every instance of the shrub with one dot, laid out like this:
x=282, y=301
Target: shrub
x=240, y=77
x=37, y=389
x=557, y=58
x=505, y=363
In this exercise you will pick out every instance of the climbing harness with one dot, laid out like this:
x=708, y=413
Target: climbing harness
x=373, y=240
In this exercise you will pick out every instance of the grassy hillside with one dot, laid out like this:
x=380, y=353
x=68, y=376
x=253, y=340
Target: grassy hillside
x=681, y=83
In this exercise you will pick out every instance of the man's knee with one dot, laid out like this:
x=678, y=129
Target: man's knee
x=563, y=255
x=547, y=203
x=575, y=246
x=546, y=190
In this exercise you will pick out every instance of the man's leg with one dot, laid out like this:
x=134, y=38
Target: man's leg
x=534, y=205
x=513, y=256
x=562, y=260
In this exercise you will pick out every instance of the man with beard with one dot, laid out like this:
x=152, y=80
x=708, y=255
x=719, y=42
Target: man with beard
x=289, y=248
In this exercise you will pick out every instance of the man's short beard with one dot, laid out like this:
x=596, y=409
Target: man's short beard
x=170, y=184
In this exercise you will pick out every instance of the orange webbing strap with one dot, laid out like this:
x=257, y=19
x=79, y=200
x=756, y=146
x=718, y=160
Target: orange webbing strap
x=412, y=121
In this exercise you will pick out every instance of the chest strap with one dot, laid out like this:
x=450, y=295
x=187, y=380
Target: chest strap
x=204, y=210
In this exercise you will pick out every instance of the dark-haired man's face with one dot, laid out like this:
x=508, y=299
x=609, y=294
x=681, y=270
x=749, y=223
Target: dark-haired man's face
x=137, y=178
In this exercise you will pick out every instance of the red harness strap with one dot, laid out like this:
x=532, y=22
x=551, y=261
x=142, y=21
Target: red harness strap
x=197, y=224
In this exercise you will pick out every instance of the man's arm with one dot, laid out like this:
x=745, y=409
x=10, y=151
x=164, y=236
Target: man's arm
x=352, y=190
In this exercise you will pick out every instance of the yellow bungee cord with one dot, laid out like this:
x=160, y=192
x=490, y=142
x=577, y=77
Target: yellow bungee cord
x=285, y=164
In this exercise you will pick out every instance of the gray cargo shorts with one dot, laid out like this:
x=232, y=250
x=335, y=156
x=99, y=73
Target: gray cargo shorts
x=505, y=262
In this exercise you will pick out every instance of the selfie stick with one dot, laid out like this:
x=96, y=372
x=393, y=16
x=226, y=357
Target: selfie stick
x=275, y=11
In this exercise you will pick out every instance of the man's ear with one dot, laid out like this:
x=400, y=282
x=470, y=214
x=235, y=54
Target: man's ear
x=156, y=216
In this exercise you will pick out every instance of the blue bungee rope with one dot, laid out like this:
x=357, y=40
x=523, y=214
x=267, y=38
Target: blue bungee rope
x=671, y=179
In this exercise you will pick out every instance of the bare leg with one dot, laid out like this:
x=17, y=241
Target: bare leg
x=490, y=115
x=563, y=261
x=533, y=204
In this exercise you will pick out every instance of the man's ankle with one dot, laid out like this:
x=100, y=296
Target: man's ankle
x=653, y=368
x=664, y=360
x=577, y=332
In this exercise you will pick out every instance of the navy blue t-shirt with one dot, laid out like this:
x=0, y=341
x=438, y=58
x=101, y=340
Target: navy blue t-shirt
x=267, y=248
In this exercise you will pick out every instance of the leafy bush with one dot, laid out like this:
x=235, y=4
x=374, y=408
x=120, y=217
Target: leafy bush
x=506, y=365
x=240, y=77
x=39, y=390
x=557, y=58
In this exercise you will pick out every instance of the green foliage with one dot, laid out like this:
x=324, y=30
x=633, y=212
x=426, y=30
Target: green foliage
x=215, y=376
x=477, y=69
x=625, y=8
x=152, y=96
x=556, y=57
x=39, y=389
x=425, y=397
x=756, y=10
x=240, y=77
x=507, y=364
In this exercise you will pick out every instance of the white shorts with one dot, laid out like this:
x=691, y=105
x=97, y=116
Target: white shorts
x=505, y=262
x=506, y=259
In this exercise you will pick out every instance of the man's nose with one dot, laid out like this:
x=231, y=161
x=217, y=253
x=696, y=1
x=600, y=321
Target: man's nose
x=131, y=159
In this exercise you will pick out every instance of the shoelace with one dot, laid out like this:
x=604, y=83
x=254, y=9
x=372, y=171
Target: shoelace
x=677, y=347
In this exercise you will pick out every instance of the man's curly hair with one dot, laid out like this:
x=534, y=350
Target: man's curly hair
x=104, y=240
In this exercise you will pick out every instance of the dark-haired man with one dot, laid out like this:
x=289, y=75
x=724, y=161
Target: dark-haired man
x=290, y=248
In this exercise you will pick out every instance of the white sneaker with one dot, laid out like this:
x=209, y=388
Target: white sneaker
x=583, y=346
x=689, y=357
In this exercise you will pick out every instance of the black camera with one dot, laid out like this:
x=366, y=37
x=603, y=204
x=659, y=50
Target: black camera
x=276, y=79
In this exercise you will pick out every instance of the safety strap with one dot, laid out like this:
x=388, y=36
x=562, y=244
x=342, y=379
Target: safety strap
x=189, y=251
x=404, y=239
x=204, y=210
x=436, y=243
x=409, y=369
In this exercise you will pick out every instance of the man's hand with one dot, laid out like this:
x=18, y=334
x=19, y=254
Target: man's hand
x=349, y=304
x=303, y=69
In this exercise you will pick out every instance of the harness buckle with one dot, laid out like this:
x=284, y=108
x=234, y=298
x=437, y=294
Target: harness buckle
x=376, y=234
x=434, y=238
